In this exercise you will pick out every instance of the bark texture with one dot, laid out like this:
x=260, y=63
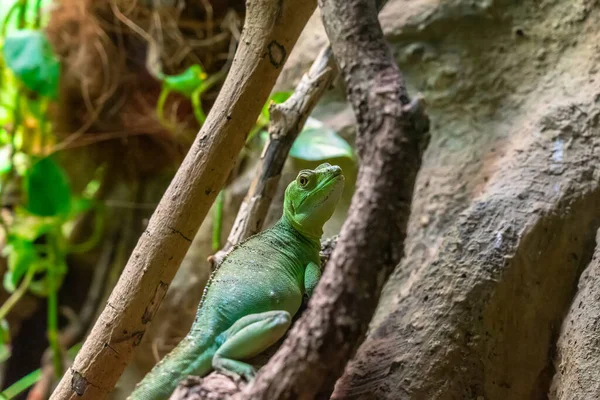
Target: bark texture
x=391, y=137
x=577, y=360
x=497, y=244
x=271, y=29
x=483, y=315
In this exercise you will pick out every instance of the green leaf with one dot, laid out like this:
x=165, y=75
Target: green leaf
x=4, y=135
x=21, y=385
x=10, y=281
x=21, y=163
x=91, y=188
x=42, y=287
x=30, y=227
x=186, y=82
x=317, y=142
x=80, y=205
x=4, y=341
x=277, y=98
x=22, y=255
x=47, y=189
x=5, y=159
x=28, y=54
x=280, y=97
x=264, y=117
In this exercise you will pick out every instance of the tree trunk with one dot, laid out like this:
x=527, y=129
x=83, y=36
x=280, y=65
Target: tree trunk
x=481, y=318
x=505, y=209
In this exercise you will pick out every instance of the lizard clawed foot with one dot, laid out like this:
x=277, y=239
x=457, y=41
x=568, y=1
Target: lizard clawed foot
x=249, y=374
x=243, y=373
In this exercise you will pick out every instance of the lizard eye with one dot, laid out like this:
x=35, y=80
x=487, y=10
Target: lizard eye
x=303, y=180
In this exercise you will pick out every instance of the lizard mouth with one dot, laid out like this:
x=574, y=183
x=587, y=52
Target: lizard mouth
x=327, y=185
x=334, y=176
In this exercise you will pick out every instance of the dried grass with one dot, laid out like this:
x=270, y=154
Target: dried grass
x=108, y=94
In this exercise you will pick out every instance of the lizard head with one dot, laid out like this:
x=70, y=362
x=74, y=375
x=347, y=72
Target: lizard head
x=311, y=198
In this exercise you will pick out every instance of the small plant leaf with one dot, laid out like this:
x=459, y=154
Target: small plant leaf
x=22, y=255
x=277, y=98
x=28, y=54
x=47, y=189
x=5, y=160
x=30, y=227
x=4, y=341
x=264, y=117
x=187, y=81
x=317, y=142
x=10, y=281
x=42, y=287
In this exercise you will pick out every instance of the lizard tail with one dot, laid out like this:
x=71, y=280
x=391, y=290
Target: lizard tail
x=188, y=358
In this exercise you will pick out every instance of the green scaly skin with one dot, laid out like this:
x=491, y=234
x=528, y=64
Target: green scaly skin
x=253, y=293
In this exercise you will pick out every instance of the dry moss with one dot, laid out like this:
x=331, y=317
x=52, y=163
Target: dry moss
x=108, y=98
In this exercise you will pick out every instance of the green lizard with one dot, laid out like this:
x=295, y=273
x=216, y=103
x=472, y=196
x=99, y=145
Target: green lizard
x=250, y=298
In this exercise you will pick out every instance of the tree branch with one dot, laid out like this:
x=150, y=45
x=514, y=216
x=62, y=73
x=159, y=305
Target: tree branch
x=271, y=29
x=287, y=120
x=390, y=141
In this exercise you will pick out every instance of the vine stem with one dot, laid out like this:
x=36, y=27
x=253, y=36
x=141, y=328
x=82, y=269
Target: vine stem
x=17, y=294
x=52, y=329
x=160, y=104
x=95, y=238
x=218, y=220
x=21, y=385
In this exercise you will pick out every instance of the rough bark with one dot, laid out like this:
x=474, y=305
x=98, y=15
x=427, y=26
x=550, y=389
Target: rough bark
x=271, y=29
x=514, y=131
x=391, y=138
x=577, y=359
x=213, y=387
x=482, y=317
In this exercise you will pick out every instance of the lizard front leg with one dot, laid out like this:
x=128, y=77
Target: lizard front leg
x=246, y=338
x=312, y=274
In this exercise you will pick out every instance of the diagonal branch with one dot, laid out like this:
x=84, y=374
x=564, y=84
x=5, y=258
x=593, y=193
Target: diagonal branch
x=271, y=29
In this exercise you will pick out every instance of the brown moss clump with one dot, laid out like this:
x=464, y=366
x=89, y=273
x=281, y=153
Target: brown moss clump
x=107, y=104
